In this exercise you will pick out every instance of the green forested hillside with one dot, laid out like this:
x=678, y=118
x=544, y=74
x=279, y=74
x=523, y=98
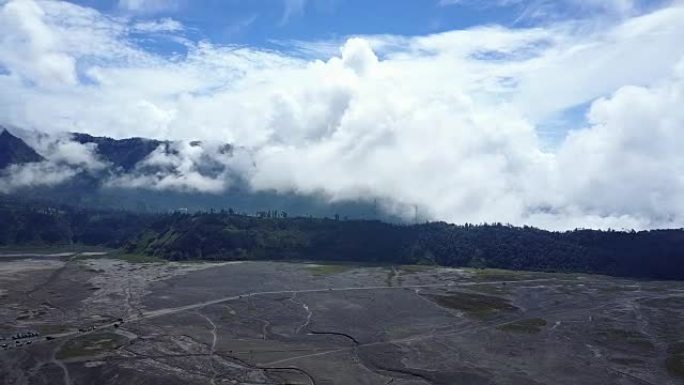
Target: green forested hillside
x=273, y=235
x=43, y=224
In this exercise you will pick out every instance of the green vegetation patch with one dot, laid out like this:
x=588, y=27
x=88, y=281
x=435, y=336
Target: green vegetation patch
x=621, y=334
x=664, y=303
x=627, y=361
x=618, y=289
x=413, y=269
x=494, y=289
x=675, y=365
x=477, y=305
x=675, y=361
x=676, y=348
x=128, y=257
x=328, y=269
x=52, y=249
x=501, y=275
x=399, y=331
x=527, y=326
x=139, y=258
x=391, y=275
x=627, y=338
x=47, y=329
x=630, y=336
x=91, y=345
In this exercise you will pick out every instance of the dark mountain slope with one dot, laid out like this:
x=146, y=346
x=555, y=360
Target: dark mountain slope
x=15, y=151
x=124, y=153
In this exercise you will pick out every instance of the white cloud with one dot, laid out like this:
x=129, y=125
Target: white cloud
x=620, y=7
x=33, y=175
x=638, y=51
x=163, y=25
x=240, y=24
x=68, y=152
x=444, y=122
x=29, y=47
x=63, y=159
x=291, y=9
x=552, y=10
x=148, y=6
x=186, y=166
x=629, y=161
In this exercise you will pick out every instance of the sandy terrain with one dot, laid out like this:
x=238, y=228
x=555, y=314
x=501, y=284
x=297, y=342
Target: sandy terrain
x=107, y=321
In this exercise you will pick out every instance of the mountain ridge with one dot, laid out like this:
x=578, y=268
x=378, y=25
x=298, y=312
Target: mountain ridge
x=125, y=153
x=130, y=174
x=14, y=150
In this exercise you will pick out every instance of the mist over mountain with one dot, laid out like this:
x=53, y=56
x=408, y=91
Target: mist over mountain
x=151, y=176
x=13, y=151
x=123, y=154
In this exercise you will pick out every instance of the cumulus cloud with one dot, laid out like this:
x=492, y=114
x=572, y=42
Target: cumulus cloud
x=447, y=124
x=629, y=161
x=190, y=166
x=29, y=47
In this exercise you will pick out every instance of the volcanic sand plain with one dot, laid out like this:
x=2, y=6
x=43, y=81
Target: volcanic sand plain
x=104, y=320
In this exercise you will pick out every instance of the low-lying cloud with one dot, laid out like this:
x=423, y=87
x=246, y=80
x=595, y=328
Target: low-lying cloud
x=33, y=175
x=64, y=158
x=449, y=123
x=188, y=166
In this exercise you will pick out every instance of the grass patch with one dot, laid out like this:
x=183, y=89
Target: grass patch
x=669, y=302
x=500, y=275
x=397, y=272
x=51, y=329
x=618, y=289
x=391, y=275
x=91, y=345
x=51, y=249
x=127, y=257
x=413, y=269
x=397, y=331
x=675, y=361
x=620, y=334
x=477, y=305
x=527, y=326
x=80, y=257
x=627, y=361
x=493, y=289
x=675, y=365
x=627, y=338
x=138, y=258
x=328, y=269
x=676, y=348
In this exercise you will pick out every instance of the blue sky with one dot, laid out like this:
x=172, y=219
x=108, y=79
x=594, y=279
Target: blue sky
x=257, y=22
x=260, y=22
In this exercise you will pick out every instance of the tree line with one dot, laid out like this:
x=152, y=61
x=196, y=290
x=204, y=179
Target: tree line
x=272, y=234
